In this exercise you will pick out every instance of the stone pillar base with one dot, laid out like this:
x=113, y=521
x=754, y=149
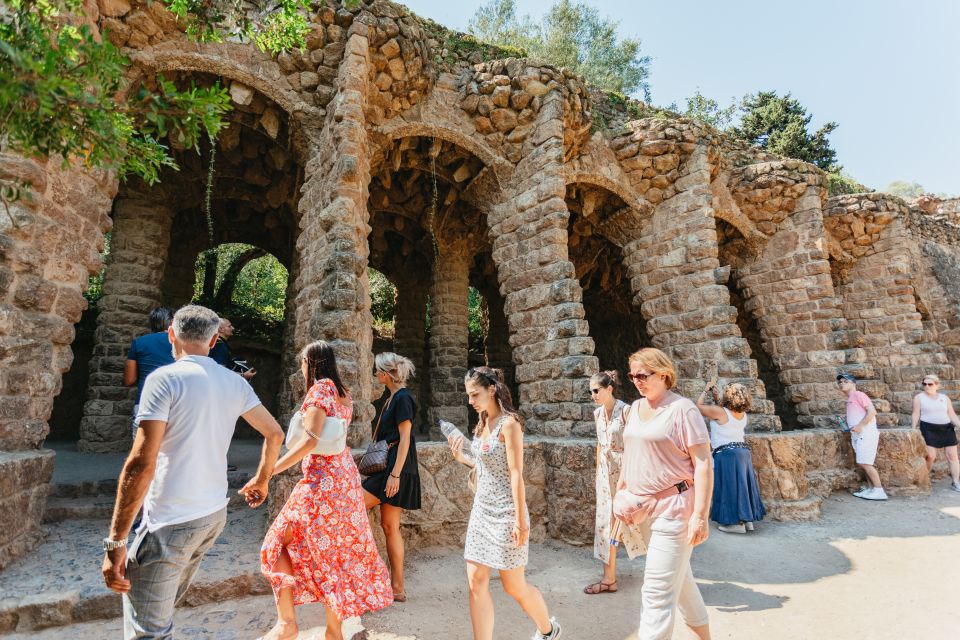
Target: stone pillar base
x=24, y=484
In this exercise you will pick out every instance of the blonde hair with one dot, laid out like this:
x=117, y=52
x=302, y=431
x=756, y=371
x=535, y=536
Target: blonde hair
x=736, y=398
x=931, y=376
x=397, y=367
x=657, y=362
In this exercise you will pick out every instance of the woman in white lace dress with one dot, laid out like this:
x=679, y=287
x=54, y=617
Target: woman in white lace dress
x=610, y=417
x=499, y=528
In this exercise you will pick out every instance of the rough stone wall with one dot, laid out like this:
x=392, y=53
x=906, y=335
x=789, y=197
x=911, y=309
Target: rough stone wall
x=49, y=248
x=131, y=289
x=333, y=300
x=788, y=287
x=550, y=338
x=874, y=277
x=448, y=337
x=673, y=265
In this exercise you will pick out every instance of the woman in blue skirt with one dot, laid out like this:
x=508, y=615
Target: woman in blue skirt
x=736, y=495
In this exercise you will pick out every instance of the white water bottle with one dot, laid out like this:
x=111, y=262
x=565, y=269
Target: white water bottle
x=449, y=430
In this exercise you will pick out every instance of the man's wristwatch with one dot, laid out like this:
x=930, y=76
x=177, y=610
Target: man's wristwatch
x=110, y=544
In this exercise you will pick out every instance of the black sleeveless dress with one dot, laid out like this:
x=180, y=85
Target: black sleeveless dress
x=402, y=407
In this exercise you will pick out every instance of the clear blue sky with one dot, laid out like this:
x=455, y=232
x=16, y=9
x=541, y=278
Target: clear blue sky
x=887, y=71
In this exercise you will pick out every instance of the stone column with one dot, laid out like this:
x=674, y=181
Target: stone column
x=410, y=339
x=332, y=293
x=789, y=290
x=131, y=289
x=496, y=346
x=49, y=247
x=542, y=298
x=449, y=337
x=677, y=280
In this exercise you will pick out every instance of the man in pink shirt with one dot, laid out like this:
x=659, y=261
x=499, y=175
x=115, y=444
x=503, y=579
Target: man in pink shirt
x=864, y=435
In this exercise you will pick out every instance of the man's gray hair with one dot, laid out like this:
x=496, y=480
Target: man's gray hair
x=194, y=323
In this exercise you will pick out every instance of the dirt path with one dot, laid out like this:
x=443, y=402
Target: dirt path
x=881, y=571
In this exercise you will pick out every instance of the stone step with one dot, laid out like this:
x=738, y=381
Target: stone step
x=37, y=592
x=84, y=508
x=806, y=510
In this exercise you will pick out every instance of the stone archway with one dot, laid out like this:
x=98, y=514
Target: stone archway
x=158, y=232
x=611, y=308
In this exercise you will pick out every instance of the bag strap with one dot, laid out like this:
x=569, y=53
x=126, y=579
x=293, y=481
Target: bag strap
x=380, y=417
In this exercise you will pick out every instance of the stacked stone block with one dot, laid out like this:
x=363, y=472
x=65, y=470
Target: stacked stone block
x=49, y=241
x=448, y=337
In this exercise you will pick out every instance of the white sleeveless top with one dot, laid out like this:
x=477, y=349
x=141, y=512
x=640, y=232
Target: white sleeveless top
x=934, y=410
x=732, y=431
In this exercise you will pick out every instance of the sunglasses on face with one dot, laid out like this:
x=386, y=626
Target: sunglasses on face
x=594, y=392
x=639, y=377
x=929, y=384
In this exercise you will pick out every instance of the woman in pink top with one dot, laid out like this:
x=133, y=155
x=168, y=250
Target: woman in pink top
x=665, y=489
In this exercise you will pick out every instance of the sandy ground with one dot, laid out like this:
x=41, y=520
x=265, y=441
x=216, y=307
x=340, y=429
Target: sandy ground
x=866, y=571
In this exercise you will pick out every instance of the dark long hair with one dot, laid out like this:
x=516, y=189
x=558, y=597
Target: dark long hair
x=607, y=379
x=487, y=377
x=322, y=363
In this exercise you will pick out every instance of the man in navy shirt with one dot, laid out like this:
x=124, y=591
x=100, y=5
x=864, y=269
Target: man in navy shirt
x=221, y=350
x=147, y=353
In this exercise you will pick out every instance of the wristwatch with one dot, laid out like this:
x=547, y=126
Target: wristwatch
x=110, y=545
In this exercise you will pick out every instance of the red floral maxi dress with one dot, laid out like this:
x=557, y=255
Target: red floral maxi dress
x=333, y=553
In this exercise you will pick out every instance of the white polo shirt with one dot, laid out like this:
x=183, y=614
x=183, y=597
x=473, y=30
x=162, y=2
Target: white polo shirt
x=200, y=401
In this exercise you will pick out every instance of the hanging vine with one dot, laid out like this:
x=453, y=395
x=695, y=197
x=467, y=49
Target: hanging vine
x=432, y=213
x=208, y=196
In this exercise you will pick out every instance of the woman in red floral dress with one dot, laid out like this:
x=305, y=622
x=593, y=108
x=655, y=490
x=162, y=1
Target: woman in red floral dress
x=320, y=547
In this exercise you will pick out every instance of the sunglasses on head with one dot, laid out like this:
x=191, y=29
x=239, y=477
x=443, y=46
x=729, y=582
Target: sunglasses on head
x=639, y=377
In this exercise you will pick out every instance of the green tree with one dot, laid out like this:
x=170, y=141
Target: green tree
x=383, y=297
x=781, y=125
x=572, y=35
x=59, y=85
x=904, y=189
x=704, y=109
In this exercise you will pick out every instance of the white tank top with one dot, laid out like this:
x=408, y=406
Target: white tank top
x=732, y=431
x=934, y=410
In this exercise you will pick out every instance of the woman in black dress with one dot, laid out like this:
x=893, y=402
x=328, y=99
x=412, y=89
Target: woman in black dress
x=398, y=487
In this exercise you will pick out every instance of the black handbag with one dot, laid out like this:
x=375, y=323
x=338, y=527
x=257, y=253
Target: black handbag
x=374, y=461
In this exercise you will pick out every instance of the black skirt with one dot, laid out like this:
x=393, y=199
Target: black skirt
x=407, y=496
x=938, y=436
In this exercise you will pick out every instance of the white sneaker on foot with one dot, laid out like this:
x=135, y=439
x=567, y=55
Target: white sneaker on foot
x=554, y=632
x=749, y=526
x=862, y=490
x=877, y=493
x=955, y=487
x=732, y=528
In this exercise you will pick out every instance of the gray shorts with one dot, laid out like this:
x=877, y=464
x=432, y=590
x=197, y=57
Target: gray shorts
x=160, y=566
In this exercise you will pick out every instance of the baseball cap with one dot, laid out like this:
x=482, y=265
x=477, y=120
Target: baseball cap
x=846, y=376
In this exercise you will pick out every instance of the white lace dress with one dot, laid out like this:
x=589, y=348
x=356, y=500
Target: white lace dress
x=490, y=530
x=609, y=457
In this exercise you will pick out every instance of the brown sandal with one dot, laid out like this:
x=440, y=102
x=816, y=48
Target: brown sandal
x=399, y=596
x=600, y=587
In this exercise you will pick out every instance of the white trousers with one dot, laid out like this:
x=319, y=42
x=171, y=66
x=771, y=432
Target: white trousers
x=668, y=582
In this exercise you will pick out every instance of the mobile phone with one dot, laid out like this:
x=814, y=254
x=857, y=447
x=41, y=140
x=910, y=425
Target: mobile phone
x=241, y=366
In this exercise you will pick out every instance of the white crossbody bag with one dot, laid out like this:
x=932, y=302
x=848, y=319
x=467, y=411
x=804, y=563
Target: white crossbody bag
x=332, y=441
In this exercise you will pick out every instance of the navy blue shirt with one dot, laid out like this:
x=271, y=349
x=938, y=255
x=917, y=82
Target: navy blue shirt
x=221, y=353
x=151, y=352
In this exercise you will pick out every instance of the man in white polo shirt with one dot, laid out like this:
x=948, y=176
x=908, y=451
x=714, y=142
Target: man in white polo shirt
x=177, y=470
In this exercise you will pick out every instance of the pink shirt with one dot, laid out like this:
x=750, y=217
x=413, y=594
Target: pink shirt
x=858, y=405
x=656, y=454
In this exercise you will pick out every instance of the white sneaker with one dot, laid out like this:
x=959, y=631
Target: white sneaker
x=732, y=528
x=862, y=490
x=749, y=526
x=876, y=493
x=554, y=632
x=955, y=487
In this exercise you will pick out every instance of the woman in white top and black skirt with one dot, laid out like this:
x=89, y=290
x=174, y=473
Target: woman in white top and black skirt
x=933, y=413
x=736, y=494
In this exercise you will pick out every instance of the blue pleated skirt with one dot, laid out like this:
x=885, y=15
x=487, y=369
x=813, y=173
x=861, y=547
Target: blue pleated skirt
x=736, y=495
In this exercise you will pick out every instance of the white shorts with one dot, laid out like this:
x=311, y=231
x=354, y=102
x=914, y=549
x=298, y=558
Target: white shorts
x=865, y=445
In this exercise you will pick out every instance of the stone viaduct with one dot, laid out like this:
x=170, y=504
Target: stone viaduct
x=590, y=227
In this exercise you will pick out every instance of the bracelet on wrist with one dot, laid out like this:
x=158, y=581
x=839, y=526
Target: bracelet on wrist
x=393, y=476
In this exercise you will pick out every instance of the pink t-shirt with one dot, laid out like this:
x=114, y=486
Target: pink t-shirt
x=656, y=454
x=858, y=405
